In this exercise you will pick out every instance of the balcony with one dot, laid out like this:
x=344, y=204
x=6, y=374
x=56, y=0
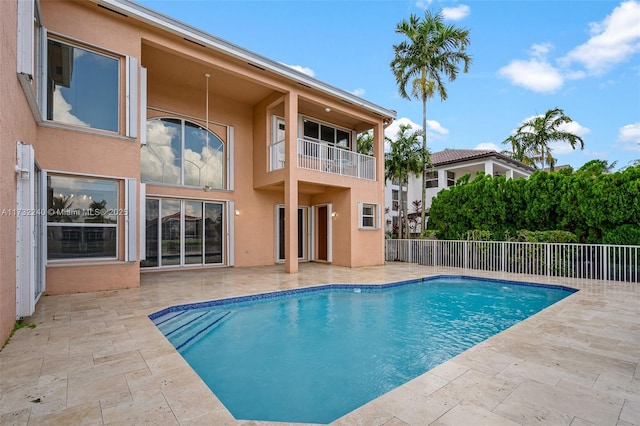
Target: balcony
x=326, y=159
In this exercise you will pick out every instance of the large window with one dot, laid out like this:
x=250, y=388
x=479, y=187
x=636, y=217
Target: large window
x=321, y=132
x=183, y=232
x=180, y=152
x=82, y=217
x=83, y=87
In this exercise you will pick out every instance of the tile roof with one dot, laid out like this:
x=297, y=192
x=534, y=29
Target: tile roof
x=455, y=155
x=449, y=156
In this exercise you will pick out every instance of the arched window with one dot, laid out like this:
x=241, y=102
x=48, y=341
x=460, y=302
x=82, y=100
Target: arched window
x=180, y=152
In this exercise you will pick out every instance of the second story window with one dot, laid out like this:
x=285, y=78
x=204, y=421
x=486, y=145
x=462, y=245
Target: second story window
x=322, y=132
x=82, y=87
x=431, y=179
x=451, y=179
x=180, y=152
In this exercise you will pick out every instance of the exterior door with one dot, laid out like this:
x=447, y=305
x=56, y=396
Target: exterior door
x=29, y=236
x=321, y=236
x=183, y=233
x=280, y=239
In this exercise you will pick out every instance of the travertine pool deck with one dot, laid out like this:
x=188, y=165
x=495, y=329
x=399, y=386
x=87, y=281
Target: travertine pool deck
x=95, y=358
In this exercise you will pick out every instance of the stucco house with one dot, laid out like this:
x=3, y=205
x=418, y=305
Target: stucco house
x=133, y=142
x=446, y=168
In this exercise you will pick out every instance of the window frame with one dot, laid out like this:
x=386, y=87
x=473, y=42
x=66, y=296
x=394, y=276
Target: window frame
x=326, y=125
x=375, y=216
x=77, y=44
x=226, y=146
x=429, y=178
x=120, y=210
x=451, y=178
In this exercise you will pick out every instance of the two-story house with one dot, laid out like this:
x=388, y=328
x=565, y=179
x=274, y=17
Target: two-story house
x=133, y=142
x=446, y=168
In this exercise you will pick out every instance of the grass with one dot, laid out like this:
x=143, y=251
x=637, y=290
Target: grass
x=18, y=325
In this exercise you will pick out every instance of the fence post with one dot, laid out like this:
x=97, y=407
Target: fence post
x=465, y=254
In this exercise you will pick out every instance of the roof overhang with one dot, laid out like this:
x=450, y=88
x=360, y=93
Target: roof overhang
x=166, y=23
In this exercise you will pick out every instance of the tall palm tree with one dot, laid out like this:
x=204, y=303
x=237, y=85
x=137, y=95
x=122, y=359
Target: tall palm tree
x=431, y=53
x=531, y=140
x=405, y=157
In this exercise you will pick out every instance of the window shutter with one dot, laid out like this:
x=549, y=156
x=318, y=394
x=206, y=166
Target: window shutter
x=378, y=218
x=230, y=232
x=132, y=97
x=143, y=106
x=26, y=45
x=143, y=221
x=131, y=236
x=229, y=148
x=360, y=207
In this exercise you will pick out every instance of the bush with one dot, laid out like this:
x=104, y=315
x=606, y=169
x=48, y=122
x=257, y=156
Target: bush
x=547, y=237
x=622, y=235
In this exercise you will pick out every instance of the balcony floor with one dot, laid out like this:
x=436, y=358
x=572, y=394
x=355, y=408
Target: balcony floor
x=96, y=358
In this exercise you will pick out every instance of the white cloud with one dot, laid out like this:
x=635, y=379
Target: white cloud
x=534, y=74
x=489, y=146
x=62, y=110
x=424, y=4
x=562, y=147
x=435, y=131
x=358, y=92
x=456, y=13
x=612, y=41
x=540, y=50
x=303, y=70
x=630, y=136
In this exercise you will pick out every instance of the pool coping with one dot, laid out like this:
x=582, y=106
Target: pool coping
x=343, y=286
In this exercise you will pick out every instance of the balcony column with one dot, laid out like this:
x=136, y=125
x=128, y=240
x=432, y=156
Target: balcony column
x=291, y=183
x=488, y=168
x=378, y=153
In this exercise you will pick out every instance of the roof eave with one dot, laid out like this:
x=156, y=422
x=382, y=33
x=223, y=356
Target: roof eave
x=189, y=32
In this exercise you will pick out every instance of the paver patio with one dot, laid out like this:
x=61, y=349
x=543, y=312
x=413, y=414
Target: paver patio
x=95, y=358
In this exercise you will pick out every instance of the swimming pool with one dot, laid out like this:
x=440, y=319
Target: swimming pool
x=312, y=355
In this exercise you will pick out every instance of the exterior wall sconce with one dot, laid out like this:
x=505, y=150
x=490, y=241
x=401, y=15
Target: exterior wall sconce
x=237, y=212
x=334, y=214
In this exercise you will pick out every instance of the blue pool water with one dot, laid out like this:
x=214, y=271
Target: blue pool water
x=313, y=355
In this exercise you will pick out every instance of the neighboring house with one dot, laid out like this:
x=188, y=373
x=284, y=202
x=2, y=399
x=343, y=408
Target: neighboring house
x=446, y=168
x=133, y=142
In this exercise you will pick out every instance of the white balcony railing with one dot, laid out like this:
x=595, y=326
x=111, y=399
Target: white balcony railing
x=590, y=261
x=326, y=158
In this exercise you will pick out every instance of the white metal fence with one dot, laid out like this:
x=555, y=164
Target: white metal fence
x=325, y=158
x=591, y=261
x=330, y=159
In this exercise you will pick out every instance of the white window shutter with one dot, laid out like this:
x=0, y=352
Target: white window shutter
x=230, y=232
x=143, y=106
x=143, y=221
x=132, y=97
x=26, y=45
x=131, y=236
x=230, y=168
x=360, y=207
x=378, y=218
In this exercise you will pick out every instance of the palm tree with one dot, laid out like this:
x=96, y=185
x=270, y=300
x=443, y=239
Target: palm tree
x=405, y=157
x=431, y=53
x=531, y=140
x=365, y=143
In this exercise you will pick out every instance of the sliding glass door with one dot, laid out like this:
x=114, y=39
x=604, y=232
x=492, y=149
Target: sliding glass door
x=183, y=233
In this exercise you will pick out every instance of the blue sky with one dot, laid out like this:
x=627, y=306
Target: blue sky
x=528, y=57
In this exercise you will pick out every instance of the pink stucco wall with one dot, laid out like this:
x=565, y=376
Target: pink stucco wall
x=255, y=96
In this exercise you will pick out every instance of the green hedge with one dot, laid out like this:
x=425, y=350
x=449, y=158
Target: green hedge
x=586, y=206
